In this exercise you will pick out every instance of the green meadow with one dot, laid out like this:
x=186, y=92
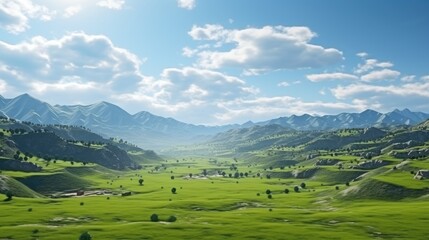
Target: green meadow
x=216, y=206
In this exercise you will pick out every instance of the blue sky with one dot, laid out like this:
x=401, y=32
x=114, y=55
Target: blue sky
x=218, y=61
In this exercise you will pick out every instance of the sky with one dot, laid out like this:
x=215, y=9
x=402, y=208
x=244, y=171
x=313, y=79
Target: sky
x=218, y=61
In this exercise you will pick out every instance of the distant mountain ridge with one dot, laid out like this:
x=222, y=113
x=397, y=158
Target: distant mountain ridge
x=367, y=118
x=154, y=132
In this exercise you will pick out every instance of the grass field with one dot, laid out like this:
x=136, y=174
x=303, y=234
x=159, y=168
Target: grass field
x=213, y=207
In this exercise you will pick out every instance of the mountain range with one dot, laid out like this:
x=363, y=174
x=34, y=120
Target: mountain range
x=155, y=132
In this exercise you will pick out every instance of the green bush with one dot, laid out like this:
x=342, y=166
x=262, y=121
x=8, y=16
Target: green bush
x=154, y=217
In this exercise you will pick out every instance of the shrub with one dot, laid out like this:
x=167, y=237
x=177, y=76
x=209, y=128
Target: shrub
x=286, y=191
x=303, y=185
x=173, y=190
x=171, y=219
x=270, y=196
x=268, y=191
x=154, y=217
x=337, y=188
x=172, y=177
x=85, y=236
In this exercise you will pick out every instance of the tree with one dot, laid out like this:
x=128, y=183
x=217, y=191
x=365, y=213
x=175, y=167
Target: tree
x=141, y=181
x=190, y=175
x=296, y=189
x=270, y=196
x=85, y=236
x=9, y=196
x=268, y=191
x=173, y=190
x=154, y=217
x=286, y=191
x=303, y=185
x=172, y=177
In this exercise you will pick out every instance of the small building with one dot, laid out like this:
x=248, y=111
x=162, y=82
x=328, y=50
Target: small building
x=422, y=174
x=80, y=193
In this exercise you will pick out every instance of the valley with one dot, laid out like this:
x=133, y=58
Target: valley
x=263, y=182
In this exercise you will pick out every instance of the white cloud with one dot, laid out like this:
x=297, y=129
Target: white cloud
x=267, y=48
x=111, y=4
x=72, y=10
x=187, y=52
x=384, y=74
x=264, y=108
x=64, y=85
x=371, y=64
x=408, y=78
x=283, y=84
x=75, y=60
x=208, y=32
x=377, y=91
x=187, y=4
x=425, y=78
x=331, y=76
x=362, y=54
x=3, y=86
x=178, y=89
x=15, y=14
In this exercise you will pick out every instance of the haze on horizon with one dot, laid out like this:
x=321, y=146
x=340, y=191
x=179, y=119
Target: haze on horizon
x=218, y=61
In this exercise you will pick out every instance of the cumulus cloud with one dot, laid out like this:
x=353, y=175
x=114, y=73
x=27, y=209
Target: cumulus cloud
x=178, y=89
x=75, y=60
x=331, y=76
x=111, y=4
x=387, y=97
x=263, y=49
x=384, y=74
x=371, y=64
x=15, y=14
x=72, y=10
x=186, y=4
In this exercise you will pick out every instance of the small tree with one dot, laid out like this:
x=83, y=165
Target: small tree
x=296, y=189
x=141, y=181
x=286, y=191
x=270, y=196
x=154, y=217
x=268, y=191
x=85, y=236
x=303, y=185
x=173, y=190
x=172, y=177
x=9, y=196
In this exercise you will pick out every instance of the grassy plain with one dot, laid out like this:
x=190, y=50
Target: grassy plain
x=213, y=207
